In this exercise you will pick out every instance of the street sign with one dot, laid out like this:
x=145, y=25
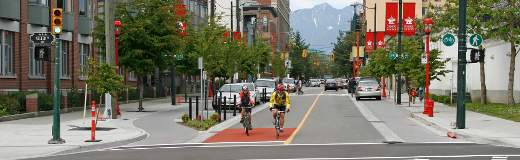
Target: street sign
x=448, y=39
x=41, y=53
x=179, y=56
x=201, y=63
x=393, y=55
x=313, y=51
x=406, y=55
x=45, y=37
x=324, y=55
x=475, y=40
x=332, y=65
x=324, y=62
x=477, y=55
x=424, y=58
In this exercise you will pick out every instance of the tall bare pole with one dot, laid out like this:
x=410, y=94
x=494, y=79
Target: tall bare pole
x=238, y=14
x=110, y=42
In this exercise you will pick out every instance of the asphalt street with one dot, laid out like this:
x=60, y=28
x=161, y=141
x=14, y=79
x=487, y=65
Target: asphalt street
x=329, y=124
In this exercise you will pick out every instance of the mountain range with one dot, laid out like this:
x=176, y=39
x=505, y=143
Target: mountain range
x=320, y=25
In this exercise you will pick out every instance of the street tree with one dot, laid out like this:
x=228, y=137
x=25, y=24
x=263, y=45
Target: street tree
x=492, y=19
x=342, y=49
x=103, y=78
x=300, y=64
x=150, y=36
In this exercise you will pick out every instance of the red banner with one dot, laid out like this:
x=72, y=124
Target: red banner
x=380, y=39
x=237, y=35
x=226, y=35
x=391, y=19
x=369, y=41
x=408, y=19
x=181, y=10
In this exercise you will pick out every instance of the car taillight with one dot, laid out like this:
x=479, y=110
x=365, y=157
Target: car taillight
x=336, y=84
x=378, y=88
x=359, y=89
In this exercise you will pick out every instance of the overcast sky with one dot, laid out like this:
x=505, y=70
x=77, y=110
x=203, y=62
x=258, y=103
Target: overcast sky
x=301, y=4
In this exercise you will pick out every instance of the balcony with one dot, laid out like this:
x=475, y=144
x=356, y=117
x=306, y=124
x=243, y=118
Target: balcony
x=10, y=9
x=68, y=21
x=84, y=25
x=38, y=15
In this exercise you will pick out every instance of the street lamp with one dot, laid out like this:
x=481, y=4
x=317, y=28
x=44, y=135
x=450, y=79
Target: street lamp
x=384, y=90
x=428, y=23
x=117, y=33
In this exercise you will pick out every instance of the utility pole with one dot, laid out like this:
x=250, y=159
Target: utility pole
x=238, y=14
x=110, y=43
x=461, y=69
x=231, y=18
x=399, y=48
x=212, y=5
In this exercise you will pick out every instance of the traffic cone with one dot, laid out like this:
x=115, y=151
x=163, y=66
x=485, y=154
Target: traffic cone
x=179, y=101
x=99, y=116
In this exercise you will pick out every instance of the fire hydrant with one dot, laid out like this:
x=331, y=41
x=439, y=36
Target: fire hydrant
x=430, y=108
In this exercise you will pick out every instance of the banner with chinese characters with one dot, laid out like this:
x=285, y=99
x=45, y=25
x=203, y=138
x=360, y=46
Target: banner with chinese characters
x=408, y=19
x=380, y=39
x=369, y=41
x=181, y=10
x=391, y=19
x=354, y=52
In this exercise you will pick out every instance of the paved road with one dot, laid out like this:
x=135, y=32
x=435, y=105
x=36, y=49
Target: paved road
x=329, y=124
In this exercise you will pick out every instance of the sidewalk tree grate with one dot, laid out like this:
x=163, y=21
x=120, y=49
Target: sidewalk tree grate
x=89, y=129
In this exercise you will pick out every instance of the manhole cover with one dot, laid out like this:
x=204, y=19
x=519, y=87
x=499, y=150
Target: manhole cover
x=89, y=128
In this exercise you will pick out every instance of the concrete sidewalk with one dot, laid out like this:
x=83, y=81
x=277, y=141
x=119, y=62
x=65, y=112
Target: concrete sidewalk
x=28, y=138
x=480, y=128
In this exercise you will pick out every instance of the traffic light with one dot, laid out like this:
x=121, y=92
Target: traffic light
x=57, y=21
x=332, y=56
x=304, y=53
x=318, y=63
x=326, y=65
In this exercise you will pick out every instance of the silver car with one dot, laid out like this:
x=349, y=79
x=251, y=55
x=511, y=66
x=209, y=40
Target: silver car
x=315, y=83
x=290, y=82
x=368, y=89
x=340, y=83
x=268, y=84
x=228, y=92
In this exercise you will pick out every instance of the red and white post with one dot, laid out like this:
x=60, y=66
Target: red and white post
x=93, y=128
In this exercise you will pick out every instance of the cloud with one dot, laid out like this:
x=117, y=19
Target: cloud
x=338, y=4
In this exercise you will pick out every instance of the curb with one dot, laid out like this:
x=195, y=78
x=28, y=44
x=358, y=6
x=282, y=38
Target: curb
x=460, y=134
x=38, y=114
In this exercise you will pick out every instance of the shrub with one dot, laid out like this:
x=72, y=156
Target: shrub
x=9, y=105
x=214, y=117
x=185, y=118
x=3, y=112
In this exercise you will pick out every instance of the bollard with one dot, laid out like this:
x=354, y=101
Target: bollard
x=430, y=108
x=225, y=108
x=219, y=107
x=93, y=128
x=235, y=105
x=190, y=108
x=196, y=106
x=426, y=107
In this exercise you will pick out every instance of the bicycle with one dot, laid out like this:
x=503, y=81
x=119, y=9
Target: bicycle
x=277, y=123
x=247, y=124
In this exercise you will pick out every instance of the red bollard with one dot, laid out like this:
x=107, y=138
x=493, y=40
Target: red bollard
x=430, y=108
x=426, y=105
x=93, y=128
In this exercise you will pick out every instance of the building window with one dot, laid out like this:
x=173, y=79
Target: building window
x=83, y=57
x=437, y=10
x=64, y=63
x=131, y=75
x=101, y=55
x=6, y=52
x=424, y=10
x=66, y=5
x=39, y=2
x=437, y=0
x=120, y=70
x=35, y=67
x=100, y=9
x=424, y=0
x=82, y=7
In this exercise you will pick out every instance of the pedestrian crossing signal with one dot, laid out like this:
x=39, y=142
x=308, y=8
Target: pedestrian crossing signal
x=304, y=53
x=332, y=57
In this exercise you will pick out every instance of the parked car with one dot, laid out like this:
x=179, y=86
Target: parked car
x=322, y=81
x=254, y=91
x=340, y=84
x=228, y=92
x=315, y=83
x=331, y=84
x=291, y=83
x=368, y=89
x=345, y=83
x=268, y=84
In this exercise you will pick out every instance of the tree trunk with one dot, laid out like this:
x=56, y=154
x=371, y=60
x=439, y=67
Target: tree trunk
x=510, y=98
x=483, y=90
x=141, y=92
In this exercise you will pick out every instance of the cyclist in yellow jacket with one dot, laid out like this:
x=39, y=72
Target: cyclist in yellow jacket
x=279, y=101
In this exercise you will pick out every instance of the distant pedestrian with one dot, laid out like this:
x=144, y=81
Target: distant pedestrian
x=420, y=94
x=413, y=94
x=352, y=84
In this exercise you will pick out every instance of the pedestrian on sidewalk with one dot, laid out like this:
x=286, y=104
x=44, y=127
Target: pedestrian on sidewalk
x=420, y=94
x=414, y=94
x=352, y=84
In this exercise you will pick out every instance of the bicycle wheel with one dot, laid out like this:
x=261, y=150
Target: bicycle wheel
x=246, y=126
x=277, y=127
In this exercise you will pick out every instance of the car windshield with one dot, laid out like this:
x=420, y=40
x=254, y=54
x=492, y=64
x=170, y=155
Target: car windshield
x=368, y=83
x=261, y=83
x=290, y=81
x=331, y=81
x=314, y=80
x=233, y=88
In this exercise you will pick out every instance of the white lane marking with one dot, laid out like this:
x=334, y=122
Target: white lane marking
x=382, y=128
x=410, y=157
x=498, y=157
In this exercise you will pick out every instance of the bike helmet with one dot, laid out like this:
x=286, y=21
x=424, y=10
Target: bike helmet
x=280, y=87
x=245, y=88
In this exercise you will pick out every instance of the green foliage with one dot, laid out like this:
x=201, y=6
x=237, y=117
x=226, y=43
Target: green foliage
x=214, y=117
x=202, y=125
x=185, y=118
x=441, y=98
x=301, y=64
x=496, y=110
x=342, y=50
x=103, y=77
x=8, y=105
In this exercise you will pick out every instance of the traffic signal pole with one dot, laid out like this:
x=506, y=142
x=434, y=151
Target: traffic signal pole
x=461, y=69
x=56, y=139
x=399, y=48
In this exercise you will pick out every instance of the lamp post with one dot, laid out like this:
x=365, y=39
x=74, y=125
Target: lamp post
x=117, y=33
x=428, y=23
x=356, y=63
x=274, y=40
x=384, y=90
